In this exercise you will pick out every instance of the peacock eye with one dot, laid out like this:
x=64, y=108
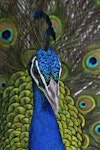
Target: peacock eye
x=97, y=129
x=7, y=35
x=36, y=73
x=92, y=62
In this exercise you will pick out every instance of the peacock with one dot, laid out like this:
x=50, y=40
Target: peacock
x=45, y=70
x=76, y=44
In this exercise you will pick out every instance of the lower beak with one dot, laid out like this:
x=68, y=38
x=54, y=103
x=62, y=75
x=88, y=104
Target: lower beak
x=52, y=93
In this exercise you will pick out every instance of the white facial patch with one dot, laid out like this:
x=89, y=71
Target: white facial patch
x=51, y=91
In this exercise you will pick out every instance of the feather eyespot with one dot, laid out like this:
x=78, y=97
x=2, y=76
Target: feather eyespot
x=95, y=129
x=56, y=23
x=8, y=33
x=3, y=83
x=91, y=61
x=85, y=104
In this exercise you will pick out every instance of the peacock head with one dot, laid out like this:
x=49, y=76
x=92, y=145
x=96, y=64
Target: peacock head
x=45, y=70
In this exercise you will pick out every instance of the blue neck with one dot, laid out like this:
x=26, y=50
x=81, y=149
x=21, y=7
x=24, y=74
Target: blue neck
x=44, y=131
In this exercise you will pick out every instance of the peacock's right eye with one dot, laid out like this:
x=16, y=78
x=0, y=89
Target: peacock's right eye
x=7, y=35
x=35, y=72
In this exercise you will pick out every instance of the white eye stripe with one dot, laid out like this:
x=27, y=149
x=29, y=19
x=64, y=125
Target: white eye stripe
x=60, y=69
x=45, y=90
x=31, y=72
x=33, y=76
x=42, y=77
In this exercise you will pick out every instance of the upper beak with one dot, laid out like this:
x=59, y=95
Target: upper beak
x=52, y=94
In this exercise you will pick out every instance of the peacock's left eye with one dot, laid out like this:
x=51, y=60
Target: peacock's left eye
x=35, y=70
x=7, y=35
x=92, y=62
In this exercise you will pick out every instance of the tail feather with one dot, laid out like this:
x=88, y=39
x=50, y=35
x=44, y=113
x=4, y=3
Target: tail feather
x=38, y=14
x=50, y=31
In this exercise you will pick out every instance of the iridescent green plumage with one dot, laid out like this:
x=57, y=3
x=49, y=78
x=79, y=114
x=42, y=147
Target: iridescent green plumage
x=77, y=28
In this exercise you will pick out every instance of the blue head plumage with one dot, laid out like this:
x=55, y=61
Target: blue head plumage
x=49, y=64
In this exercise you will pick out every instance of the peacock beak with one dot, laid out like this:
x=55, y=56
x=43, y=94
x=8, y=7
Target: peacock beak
x=52, y=93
